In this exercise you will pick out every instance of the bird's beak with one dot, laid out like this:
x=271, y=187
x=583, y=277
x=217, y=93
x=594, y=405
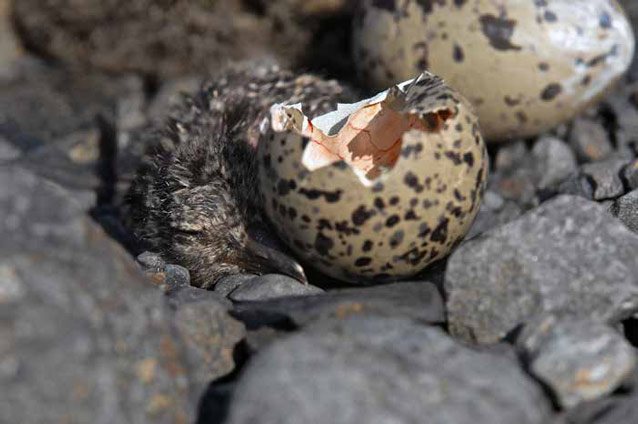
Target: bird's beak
x=262, y=259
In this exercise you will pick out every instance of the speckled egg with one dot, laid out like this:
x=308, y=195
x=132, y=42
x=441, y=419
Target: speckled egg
x=375, y=190
x=525, y=65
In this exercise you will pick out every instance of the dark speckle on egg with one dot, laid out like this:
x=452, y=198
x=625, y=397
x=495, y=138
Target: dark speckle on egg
x=551, y=91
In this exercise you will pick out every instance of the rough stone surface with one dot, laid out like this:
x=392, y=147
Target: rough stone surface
x=589, y=140
x=381, y=370
x=567, y=255
x=577, y=185
x=605, y=177
x=271, y=286
x=514, y=176
x=578, y=359
x=231, y=282
x=511, y=156
x=150, y=261
x=630, y=174
x=209, y=333
x=169, y=277
x=418, y=301
x=626, y=209
x=494, y=212
x=66, y=125
x=618, y=409
x=553, y=162
x=83, y=336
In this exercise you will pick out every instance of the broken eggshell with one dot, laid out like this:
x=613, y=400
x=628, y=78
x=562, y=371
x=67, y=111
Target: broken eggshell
x=525, y=65
x=375, y=190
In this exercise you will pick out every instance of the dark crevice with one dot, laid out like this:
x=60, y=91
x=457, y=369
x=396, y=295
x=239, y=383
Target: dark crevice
x=106, y=213
x=256, y=7
x=214, y=403
x=106, y=164
x=610, y=124
x=630, y=327
x=152, y=84
x=328, y=53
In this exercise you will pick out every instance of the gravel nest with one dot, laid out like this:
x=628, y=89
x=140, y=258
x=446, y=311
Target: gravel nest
x=533, y=319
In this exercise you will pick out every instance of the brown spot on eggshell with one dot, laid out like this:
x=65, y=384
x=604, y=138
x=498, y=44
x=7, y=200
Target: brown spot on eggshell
x=499, y=31
x=551, y=91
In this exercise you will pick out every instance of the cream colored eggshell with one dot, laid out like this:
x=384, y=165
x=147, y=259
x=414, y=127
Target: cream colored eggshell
x=410, y=216
x=525, y=65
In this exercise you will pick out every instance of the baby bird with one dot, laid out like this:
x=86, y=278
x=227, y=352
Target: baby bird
x=195, y=199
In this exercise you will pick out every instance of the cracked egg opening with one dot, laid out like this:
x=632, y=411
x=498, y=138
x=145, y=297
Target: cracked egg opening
x=368, y=135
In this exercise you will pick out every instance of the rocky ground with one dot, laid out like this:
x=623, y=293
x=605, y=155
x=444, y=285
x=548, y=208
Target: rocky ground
x=534, y=319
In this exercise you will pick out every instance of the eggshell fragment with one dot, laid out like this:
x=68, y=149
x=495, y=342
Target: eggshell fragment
x=525, y=65
x=376, y=190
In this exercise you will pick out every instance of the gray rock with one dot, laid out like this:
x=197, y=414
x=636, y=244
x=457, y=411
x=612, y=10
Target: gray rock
x=169, y=277
x=150, y=260
x=8, y=152
x=630, y=174
x=208, y=332
x=578, y=359
x=579, y=185
x=515, y=177
x=176, y=276
x=419, y=301
x=626, y=209
x=622, y=106
x=227, y=284
x=568, y=255
x=511, y=156
x=605, y=177
x=83, y=335
x=382, y=370
x=619, y=409
x=165, y=276
x=66, y=125
x=181, y=296
x=271, y=286
x=553, y=162
x=589, y=140
x=493, y=214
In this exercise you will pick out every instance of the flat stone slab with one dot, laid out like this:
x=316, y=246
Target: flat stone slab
x=382, y=370
x=568, y=255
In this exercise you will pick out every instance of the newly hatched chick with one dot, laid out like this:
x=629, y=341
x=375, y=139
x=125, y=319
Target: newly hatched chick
x=195, y=199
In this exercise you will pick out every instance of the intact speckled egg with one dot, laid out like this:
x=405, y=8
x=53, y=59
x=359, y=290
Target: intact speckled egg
x=525, y=65
x=378, y=189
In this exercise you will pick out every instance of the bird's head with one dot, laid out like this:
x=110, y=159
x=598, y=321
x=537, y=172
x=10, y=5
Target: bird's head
x=212, y=238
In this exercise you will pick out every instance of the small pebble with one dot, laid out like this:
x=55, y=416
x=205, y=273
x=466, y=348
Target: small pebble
x=578, y=359
x=589, y=140
x=553, y=162
x=271, y=286
x=149, y=260
x=511, y=156
x=229, y=283
x=605, y=177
